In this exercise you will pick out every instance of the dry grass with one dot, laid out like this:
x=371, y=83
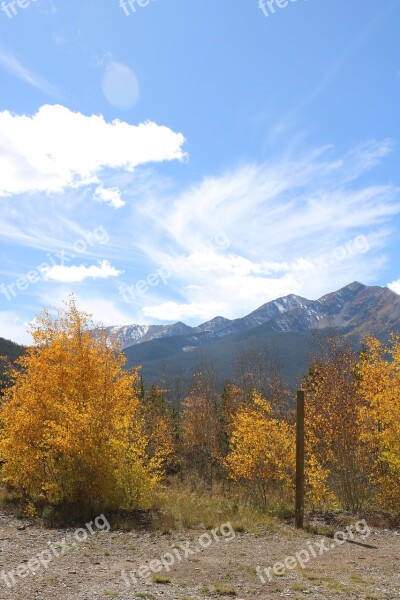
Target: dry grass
x=222, y=590
x=161, y=579
x=177, y=507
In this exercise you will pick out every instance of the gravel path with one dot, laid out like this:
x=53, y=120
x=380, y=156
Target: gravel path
x=92, y=568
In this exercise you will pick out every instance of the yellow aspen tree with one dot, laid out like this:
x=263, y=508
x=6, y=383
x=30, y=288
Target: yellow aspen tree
x=71, y=433
x=338, y=462
x=160, y=426
x=380, y=384
x=202, y=430
x=234, y=399
x=262, y=449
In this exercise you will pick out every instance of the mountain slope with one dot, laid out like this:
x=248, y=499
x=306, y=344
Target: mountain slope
x=356, y=308
x=10, y=350
x=170, y=356
x=214, y=329
x=286, y=326
x=136, y=334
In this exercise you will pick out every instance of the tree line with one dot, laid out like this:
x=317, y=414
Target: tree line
x=78, y=429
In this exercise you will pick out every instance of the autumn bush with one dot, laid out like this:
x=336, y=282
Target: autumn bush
x=202, y=433
x=338, y=459
x=160, y=422
x=262, y=450
x=379, y=373
x=353, y=426
x=71, y=432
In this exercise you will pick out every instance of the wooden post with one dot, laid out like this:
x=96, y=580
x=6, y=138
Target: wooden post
x=300, y=461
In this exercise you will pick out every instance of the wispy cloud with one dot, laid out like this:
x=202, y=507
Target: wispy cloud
x=303, y=224
x=296, y=225
x=9, y=62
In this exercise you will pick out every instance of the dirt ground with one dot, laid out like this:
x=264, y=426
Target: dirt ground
x=364, y=567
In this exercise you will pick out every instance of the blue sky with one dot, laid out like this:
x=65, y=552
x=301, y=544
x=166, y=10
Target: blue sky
x=184, y=159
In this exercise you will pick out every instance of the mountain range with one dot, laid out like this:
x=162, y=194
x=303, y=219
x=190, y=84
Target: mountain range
x=285, y=326
x=356, y=308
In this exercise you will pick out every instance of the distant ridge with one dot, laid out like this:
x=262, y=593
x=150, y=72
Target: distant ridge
x=355, y=308
x=285, y=327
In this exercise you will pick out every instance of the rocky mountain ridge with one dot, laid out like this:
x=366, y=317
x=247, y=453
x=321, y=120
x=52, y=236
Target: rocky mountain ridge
x=356, y=308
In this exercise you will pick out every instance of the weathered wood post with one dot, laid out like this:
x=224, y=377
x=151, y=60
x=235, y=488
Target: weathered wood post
x=299, y=519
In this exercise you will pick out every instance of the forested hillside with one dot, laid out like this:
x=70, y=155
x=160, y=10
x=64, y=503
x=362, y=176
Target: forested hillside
x=9, y=352
x=9, y=349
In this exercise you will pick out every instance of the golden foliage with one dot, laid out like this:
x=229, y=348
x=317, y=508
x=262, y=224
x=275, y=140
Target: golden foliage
x=262, y=448
x=380, y=385
x=71, y=433
x=78, y=429
x=159, y=425
x=202, y=429
x=338, y=463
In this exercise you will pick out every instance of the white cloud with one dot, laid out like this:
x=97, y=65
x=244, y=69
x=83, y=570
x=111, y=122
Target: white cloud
x=229, y=264
x=173, y=311
x=77, y=274
x=394, y=286
x=111, y=196
x=57, y=148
